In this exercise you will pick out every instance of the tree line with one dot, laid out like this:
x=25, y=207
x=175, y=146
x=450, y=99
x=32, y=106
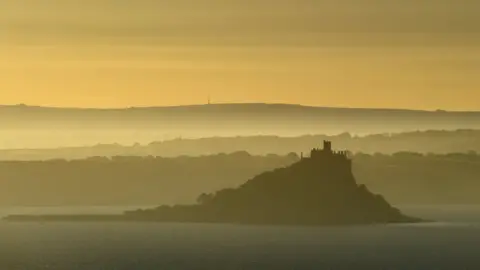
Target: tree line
x=402, y=177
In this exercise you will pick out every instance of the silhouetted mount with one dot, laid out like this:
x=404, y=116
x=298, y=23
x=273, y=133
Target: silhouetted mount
x=317, y=190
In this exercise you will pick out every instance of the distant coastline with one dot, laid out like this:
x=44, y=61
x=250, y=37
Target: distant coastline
x=123, y=218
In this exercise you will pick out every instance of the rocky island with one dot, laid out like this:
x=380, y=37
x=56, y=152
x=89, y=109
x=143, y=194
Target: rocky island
x=317, y=190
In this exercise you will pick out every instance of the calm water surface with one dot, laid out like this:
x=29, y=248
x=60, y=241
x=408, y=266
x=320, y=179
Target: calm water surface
x=451, y=243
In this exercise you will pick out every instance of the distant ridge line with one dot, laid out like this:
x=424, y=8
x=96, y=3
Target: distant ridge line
x=232, y=105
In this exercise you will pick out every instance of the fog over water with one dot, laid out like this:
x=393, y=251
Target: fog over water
x=449, y=243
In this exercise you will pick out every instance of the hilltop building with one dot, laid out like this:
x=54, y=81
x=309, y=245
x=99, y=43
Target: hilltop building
x=330, y=157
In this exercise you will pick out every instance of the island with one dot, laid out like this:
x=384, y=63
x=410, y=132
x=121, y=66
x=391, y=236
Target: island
x=317, y=190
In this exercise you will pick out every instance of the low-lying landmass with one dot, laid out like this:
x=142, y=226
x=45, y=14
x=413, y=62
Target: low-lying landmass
x=316, y=190
x=430, y=141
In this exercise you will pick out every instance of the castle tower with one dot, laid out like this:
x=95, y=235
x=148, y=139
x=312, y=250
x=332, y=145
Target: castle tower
x=327, y=146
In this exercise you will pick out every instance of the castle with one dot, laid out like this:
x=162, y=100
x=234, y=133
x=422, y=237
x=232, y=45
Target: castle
x=326, y=151
x=328, y=156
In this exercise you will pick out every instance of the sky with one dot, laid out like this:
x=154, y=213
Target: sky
x=417, y=54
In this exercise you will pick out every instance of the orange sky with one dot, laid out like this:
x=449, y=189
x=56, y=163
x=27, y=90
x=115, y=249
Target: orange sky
x=109, y=53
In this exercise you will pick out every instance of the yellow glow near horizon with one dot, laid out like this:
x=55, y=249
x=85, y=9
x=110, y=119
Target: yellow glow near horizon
x=144, y=53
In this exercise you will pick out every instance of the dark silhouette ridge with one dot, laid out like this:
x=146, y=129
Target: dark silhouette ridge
x=316, y=190
x=403, y=177
x=138, y=180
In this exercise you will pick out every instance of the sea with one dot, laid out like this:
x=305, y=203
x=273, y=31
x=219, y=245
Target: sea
x=452, y=241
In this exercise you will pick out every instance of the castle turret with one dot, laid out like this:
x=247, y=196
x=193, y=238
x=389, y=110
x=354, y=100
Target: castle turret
x=327, y=146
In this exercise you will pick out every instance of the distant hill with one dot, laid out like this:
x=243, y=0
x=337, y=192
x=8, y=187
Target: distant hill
x=431, y=141
x=124, y=180
x=231, y=114
x=26, y=126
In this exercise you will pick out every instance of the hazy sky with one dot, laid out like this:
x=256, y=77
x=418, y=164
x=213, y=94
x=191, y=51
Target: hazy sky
x=358, y=53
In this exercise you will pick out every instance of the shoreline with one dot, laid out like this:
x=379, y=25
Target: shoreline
x=124, y=218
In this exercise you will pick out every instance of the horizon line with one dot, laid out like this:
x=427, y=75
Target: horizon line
x=232, y=103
